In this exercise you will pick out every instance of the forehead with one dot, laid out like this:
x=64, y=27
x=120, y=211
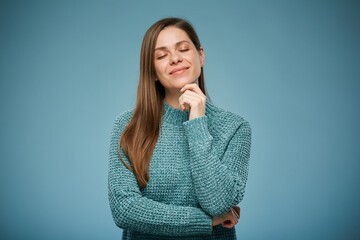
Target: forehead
x=169, y=36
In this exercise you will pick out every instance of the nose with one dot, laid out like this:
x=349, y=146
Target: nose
x=174, y=58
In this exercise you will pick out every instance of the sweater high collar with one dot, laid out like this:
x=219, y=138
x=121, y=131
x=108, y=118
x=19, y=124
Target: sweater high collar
x=176, y=116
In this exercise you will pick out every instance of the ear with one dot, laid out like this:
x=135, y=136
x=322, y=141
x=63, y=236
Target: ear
x=202, y=56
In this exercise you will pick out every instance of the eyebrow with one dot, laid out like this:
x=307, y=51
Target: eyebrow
x=176, y=44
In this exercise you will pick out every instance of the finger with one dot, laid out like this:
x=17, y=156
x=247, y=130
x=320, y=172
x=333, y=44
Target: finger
x=188, y=99
x=235, y=218
x=237, y=209
x=234, y=213
x=237, y=214
x=228, y=225
x=232, y=220
x=193, y=87
x=185, y=102
x=199, y=97
x=232, y=225
x=193, y=95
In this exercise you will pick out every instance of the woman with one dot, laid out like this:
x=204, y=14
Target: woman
x=178, y=164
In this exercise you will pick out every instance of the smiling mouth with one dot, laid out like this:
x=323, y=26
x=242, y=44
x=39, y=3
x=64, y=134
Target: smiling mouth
x=179, y=71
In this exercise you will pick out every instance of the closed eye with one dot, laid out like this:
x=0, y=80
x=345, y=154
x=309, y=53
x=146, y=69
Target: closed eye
x=182, y=50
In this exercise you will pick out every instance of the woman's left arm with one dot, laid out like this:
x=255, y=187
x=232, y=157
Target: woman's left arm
x=219, y=183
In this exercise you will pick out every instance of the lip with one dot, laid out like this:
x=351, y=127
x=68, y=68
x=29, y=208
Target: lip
x=179, y=70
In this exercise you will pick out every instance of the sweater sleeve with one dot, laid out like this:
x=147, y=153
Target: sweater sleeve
x=134, y=212
x=219, y=183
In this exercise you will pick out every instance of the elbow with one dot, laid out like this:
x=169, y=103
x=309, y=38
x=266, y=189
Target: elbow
x=239, y=194
x=119, y=217
x=117, y=212
x=118, y=221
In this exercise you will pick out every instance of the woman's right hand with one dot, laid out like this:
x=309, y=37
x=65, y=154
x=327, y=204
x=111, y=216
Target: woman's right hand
x=228, y=220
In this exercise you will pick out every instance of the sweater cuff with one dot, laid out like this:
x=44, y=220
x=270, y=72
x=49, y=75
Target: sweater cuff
x=202, y=222
x=197, y=129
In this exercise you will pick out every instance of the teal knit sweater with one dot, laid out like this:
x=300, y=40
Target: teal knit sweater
x=198, y=169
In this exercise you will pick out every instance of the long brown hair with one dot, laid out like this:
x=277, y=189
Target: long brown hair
x=139, y=138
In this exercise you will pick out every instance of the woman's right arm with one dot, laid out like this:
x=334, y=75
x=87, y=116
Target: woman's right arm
x=134, y=212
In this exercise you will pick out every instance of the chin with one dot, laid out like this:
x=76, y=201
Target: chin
x=180, y=82
x=187, y=80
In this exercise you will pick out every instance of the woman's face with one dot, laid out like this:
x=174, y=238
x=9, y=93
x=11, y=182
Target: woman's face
x=173, y=51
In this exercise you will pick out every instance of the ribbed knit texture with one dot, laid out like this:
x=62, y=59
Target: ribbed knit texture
x=198, y=169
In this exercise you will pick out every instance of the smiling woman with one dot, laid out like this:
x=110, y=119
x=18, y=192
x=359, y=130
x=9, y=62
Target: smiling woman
x=177, y=62
x=178, y=164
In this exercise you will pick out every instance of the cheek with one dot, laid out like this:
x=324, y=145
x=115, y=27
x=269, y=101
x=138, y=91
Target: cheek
x=197, y=67
x=156, y=66
x=160, y=68
x=196, y=60
x=196, y=64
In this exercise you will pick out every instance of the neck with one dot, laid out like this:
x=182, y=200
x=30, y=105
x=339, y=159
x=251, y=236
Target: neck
x=173, y=102
x=172, y=98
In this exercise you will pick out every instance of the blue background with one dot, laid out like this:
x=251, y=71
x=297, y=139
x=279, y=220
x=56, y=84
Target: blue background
x=68, y=68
